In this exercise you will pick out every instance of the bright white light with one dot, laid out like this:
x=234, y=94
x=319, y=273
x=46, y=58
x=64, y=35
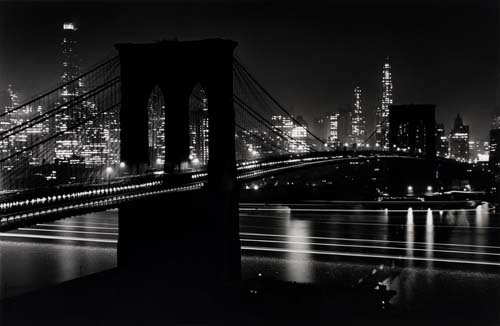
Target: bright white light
x=255, y=187
x=483, y=157
x=109, y=169
x=122, y=165
x=69, y=26
x=429, y=188
x=410, y=188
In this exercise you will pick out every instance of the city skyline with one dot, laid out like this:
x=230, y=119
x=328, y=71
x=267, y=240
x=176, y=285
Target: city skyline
x=429, y=71
x=215, y=162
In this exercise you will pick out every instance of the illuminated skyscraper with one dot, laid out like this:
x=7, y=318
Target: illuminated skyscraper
x=199, y=128
x=441, y=141
x=358, y=118
x=156, y=128
x=459, y=140
x=333, y=129
x=66, y=145
x=94, y=143
x=494, y=157
x=70, y=60
x=382, y=113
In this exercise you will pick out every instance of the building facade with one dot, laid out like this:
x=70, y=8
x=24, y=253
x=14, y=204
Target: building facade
x=358, y=118
x=459, y=140
x=295, y=136
x=442, y=145
x=198, y=128
x=382, y=113
x=412, y=129
x=494, y=153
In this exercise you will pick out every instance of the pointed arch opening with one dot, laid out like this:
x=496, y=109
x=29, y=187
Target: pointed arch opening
x=156, y=129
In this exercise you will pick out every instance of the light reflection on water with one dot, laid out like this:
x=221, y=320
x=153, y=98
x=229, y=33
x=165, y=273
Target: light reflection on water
x=481, y=220
x=404, y=287
x=299, y=267
x=429, y=246
x=26, y=266
x=412, y=230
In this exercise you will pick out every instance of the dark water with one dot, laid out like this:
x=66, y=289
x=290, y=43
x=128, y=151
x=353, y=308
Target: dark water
x=428, y=257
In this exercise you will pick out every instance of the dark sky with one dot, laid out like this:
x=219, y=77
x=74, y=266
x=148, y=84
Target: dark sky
x=310, y=54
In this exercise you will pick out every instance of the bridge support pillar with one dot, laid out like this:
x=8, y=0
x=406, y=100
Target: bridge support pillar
x=193, y=237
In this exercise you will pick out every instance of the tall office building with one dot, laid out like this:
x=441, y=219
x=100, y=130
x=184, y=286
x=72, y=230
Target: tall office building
x=413, y=129
x=442, y=146
x=333, y=130
x=382, y=114
x=70, y=60
x=198, y=128
x=345, y=125
x=96, y=142
x=459, y=140
x=67, y=144
x=320, y=128
x=156, y=128
x=494, y=157
x=358, y=118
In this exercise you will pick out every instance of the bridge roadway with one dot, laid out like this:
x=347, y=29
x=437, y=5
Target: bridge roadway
x=26, y=207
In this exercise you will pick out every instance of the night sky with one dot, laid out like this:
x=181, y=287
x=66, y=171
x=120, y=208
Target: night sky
x=310, y=54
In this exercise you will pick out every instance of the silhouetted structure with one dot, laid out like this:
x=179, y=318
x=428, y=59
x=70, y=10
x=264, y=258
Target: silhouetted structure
x=206, y=247
x=412, y=129
x=495, y=153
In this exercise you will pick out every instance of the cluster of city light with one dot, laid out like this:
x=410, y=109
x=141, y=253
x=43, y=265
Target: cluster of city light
x=298, y=134
x=252, y=150
x=358, y=118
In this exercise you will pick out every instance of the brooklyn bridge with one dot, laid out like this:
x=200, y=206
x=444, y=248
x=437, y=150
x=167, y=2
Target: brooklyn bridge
x=185, y=220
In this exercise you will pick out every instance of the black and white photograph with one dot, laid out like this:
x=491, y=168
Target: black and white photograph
x=250, y=162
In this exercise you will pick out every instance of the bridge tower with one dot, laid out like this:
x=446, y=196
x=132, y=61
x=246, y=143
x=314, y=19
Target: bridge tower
x=184, y=236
